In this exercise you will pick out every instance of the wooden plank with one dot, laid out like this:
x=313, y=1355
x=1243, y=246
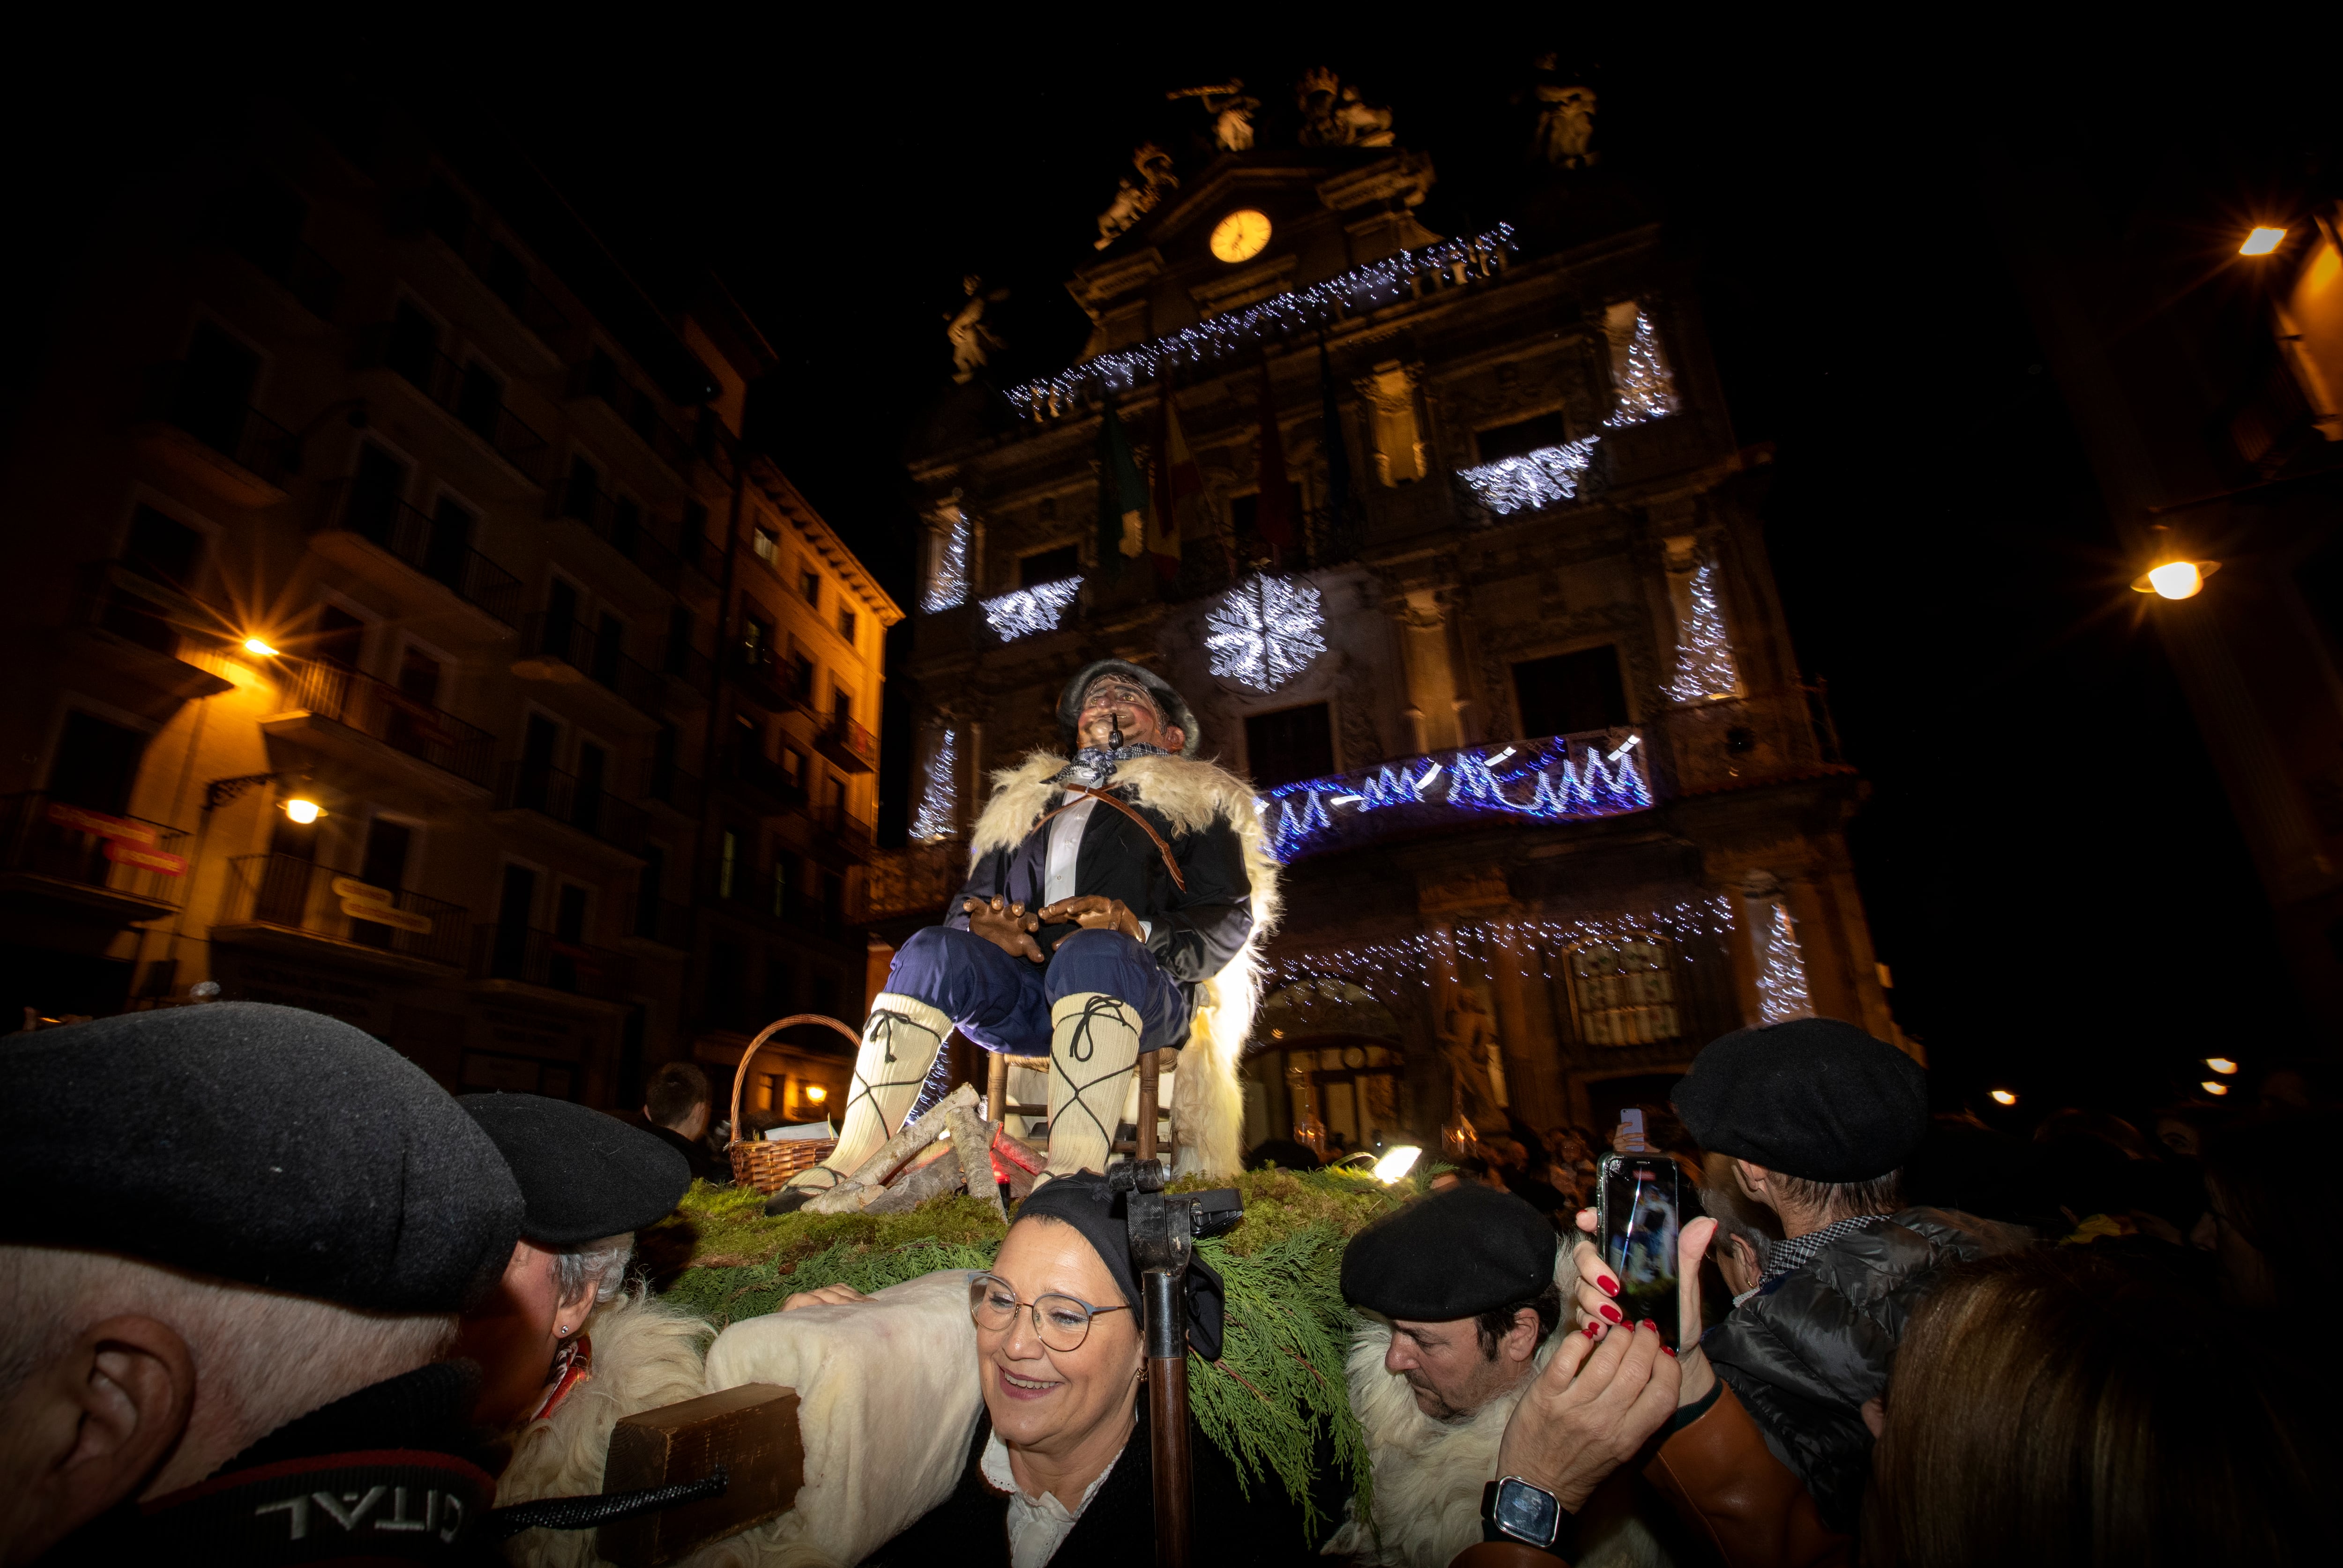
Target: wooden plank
x=751, y=1430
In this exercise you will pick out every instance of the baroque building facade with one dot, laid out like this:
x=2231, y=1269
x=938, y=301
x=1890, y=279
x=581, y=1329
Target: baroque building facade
x=410, y=637
x=1468, y=581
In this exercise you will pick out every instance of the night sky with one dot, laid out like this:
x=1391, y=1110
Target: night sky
x=2050, y=866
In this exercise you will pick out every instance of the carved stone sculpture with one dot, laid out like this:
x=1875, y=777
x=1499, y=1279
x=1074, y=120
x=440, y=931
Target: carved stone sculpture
x=1334, y=116
x=1565, y=126
x=1470, y=1037
x=972, y=342
x=1231, y=112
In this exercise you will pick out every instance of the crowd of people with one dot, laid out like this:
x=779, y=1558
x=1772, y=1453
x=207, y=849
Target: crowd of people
x=268, y=1294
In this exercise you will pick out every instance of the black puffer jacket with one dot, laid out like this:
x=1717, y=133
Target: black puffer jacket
x=1807, y=1351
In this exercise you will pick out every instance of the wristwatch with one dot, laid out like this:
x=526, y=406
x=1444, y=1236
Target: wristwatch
x=1515, y=1510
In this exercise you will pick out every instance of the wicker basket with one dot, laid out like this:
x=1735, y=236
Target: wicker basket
x=761, y=1164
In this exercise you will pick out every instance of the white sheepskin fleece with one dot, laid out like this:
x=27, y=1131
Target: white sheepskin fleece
x=887, y=1397
x=1207, y=1104
x=1429, y=1473
x=645, y=1355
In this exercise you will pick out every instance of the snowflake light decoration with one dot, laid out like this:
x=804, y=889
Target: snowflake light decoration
x=1265, y=631
x=1031, y=611
x=938, y=793
x=1532, y=480
x=948, y=583
x=1782, y=970
x=1647, y=388
x=1704, y=666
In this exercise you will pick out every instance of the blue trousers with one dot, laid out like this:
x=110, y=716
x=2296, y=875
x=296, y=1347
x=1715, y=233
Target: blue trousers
x=1002, y=1002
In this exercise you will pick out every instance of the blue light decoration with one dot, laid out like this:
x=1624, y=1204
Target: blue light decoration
x=1449, y=263
x=1782, y=970
x=939, y=789
x=1563, y=777
x=948, y=578
x=1533, y=481
x=1647, y=388
x=1031, y=611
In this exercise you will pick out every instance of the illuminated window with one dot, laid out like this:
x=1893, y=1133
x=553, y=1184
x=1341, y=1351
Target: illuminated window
x=1623, y=991
x=765, y=542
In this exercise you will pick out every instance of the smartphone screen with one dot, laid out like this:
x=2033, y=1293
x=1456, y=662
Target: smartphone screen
x=1632, y=1119
x=1639, y=1211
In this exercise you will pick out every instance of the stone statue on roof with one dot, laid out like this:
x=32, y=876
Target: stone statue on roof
x=1334, y=116
x=972, y=342
x=1133, y=201
x=1232, y=111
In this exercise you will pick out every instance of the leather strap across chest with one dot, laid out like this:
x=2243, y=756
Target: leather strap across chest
x=1129, y=811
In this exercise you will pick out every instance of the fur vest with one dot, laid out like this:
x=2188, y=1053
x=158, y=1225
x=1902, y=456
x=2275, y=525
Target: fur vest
x=1207, y=1105
x=645, y=1355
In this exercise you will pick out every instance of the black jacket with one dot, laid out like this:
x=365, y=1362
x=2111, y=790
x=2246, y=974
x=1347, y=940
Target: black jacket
x=1192, y=934
x=969, y=1529
x=1807, y=1352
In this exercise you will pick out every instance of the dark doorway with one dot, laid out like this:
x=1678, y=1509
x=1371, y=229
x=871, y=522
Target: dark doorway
x=513, y=909
x=1049, y=565
x=1295, y=744
x=1570, y=692
x=586, y=800
x=96, y=763
x=375, y=490
x=383, y=866
x=338, y=638
x=1521, y=438
x=451, y=543
x=560, y=618
x=536, y=747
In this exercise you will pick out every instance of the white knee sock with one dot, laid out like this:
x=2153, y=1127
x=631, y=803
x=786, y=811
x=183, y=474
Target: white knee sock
x=1093, y=1050
x=900, y=1042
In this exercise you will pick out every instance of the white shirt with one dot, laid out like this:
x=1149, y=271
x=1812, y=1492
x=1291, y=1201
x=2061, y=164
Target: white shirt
x=1065, y=849
x=1038, y=1526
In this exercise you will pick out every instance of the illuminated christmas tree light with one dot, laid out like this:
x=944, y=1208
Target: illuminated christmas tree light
x=1265, y=631
x=948, y=584
x=1704, y=666
x=1532, y=480
x=938, y=790
x=1646, y=389
x=1030, y=611
x=1782, y=972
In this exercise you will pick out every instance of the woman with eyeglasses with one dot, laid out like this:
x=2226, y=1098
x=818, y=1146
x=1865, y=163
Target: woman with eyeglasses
x=1058, y=1470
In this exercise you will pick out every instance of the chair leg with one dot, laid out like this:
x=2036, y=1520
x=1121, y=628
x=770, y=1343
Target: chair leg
x=1147, y=1060
x=995, y=1084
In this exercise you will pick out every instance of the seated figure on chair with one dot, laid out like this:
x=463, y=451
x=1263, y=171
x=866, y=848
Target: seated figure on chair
x=1113, y=901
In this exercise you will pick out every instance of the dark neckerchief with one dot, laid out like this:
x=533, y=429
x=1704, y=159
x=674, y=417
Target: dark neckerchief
x=1093, y=765
x=385, y=1474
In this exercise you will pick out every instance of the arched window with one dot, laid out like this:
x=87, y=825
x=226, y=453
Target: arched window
x=1623, y=991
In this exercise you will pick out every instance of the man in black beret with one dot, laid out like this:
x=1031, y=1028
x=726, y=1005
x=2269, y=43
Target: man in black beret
x=589, y=1182
x=236, y=1243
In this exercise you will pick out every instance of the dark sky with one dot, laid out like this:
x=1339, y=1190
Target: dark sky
x=2050, y=867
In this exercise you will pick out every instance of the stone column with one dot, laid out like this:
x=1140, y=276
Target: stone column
x=1428, y=669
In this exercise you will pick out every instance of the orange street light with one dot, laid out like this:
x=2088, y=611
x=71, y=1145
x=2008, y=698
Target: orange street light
x=814, y=1093
x=2213, y=1087
x=255, y=645
x=2004, y=1097
x=2172, y=574
x=2221, y=1064
x=303, y=811
x=2262, y=241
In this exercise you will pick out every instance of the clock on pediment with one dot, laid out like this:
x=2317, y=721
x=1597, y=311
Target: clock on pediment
x=1241, y=236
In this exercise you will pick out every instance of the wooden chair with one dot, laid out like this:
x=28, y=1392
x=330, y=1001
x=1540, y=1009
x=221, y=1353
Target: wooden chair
x=1144, y=1146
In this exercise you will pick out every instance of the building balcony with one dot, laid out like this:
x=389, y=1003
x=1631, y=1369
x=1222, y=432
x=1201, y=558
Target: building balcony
x=410, y=551
x=661, y=923
x=688, y=669
x=572, y=802
x=848, y=835
x=762, y=777
x=219, y=441
x=123, y=869
x=854, y=748
x=676, y=790
x=598, y=377
x=504, y=274
x=758, y=901
x=619, y=522
x=1553, y=778
x=508, y=956
x=769, y=682
x=469, y=393
x=326, y=704
x=127, y=621
x=300, y=907
x=567, y=652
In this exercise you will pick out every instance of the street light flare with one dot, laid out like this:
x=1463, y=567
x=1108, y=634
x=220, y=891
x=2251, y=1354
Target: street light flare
x=1397, y=1162
x=303, y=811
x=2262, y=241
x=2004, y=1097
x=255, y=645
x=2221, y=1064
x=2177, y=580
x=2215, y=1087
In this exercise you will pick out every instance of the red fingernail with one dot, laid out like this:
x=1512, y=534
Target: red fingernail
x=1670, y=1351
x=1611, y=1312
x=1610, y=1286
x=1647, y=1323
x=1592, y=1329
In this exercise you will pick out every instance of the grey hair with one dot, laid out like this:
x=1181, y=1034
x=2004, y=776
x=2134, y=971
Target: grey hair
x=600, y=1267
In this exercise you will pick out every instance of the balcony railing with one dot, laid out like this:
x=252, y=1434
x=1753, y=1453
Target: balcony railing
x=227, y=424
x=404, y=723
x=744, y=765
x=564, y=798
x=494, y=264
x=848, y=744
x=470, y=391
x=772, y=683
x=1558, y=778
x=298, y=895
x=438, y=551
x=531, y=957
x=620, y=523
x=843, y=829
x=600, y=377
x=664, y=922
x=594, y=654
x=134, y=607
x=48, y=838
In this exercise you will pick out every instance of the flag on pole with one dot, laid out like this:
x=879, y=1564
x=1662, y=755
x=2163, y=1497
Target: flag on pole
x=1338, y=451
x=1273, y=512
x=1123, y=497
x=1180, y=505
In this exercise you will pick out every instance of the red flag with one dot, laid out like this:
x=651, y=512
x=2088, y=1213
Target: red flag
x=1273, y=511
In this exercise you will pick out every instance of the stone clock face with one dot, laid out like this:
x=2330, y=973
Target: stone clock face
x=1241, y=236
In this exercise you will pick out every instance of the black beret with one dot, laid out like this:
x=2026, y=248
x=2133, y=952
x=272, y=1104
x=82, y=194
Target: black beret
x=1086, y=1203
x=262, y=1144
x=583, y=1175
x=1815, y=1097
x=1449, y=1255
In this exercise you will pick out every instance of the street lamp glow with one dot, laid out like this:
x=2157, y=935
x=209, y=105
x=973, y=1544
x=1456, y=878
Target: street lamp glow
x=814, y=1093
x=2004, y=1097
x=1397, y=1162
x=303, y=811
x=255, y=645
x=2215, y=1087
x=2221, y=1064
x=2177, y=580
x=2262, y=241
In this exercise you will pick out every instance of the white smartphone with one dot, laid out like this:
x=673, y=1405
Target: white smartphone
x=1631, y=1121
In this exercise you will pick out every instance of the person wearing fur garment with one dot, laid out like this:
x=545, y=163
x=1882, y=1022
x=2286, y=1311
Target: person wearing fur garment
x=564, y=1349
x=1113, y=901
x=1460, y=1294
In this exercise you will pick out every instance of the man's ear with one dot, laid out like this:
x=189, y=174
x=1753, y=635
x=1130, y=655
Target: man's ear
x=92, y=1428
x=1753, y=1182
x=1521, y=1341
x=1175, y=740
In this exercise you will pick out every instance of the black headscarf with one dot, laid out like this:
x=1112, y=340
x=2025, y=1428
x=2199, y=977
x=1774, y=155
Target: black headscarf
x=1090, y=1206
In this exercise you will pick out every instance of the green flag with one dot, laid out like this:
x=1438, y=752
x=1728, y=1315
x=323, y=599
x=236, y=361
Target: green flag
x=1123, y=497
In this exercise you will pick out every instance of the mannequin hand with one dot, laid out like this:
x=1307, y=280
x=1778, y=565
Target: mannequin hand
x=1006, y=925
x=1094, y=914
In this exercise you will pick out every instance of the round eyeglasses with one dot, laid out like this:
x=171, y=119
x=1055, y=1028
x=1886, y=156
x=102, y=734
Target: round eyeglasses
x=1060, y=1323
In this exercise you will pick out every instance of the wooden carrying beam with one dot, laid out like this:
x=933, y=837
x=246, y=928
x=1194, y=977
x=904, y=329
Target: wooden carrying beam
x=751, y=1430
